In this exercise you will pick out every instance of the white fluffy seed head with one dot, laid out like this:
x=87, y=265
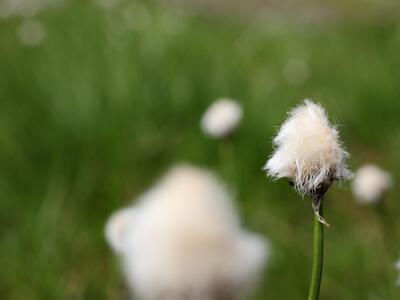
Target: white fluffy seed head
x=221, y=118
x=31, y=33
x=308, y=150
x=370, y=184
x=118, y=229
x=183, y=241
x=397, y=266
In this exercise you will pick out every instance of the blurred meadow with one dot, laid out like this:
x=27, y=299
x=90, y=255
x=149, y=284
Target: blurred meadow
x=99, y=98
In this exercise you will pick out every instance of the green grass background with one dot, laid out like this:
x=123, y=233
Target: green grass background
x=94, y=114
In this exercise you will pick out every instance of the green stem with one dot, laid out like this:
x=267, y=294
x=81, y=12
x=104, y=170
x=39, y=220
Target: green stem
x=388, y=229
x=227, y=160
x=318, y=257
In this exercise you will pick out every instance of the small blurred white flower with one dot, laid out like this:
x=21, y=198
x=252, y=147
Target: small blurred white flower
x=221, y=118
x=183, y=240
x=397, y=266
x=308, y=150
x=370, y=183
x=31, y=33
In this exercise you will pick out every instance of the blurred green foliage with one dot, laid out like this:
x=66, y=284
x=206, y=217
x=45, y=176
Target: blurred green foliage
x=112, y=97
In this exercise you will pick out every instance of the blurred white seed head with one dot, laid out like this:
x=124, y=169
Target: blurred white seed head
x=221, y=118
x=183, y=241
x=31, y=33
x=118, y=228
x=370, y=184
x=308, y=150
x=397, y=266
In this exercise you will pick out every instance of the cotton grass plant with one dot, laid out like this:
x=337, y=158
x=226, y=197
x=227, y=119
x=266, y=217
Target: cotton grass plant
x=309, y=153
x=370, y=185
x=182, y=240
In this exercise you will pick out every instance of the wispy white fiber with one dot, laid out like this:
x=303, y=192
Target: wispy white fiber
x=221, y=118
x=183, y=241
x=370, y=184
x=308, y=150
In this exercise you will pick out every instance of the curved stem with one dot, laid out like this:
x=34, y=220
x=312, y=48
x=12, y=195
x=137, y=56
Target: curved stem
x=318, y=256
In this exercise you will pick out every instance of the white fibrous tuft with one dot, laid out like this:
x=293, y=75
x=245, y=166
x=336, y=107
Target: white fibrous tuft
x=183, y=240
x=308, y=150
x=221, y=118
x=370, y=184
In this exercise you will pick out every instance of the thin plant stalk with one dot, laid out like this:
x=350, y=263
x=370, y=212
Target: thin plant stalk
x=318, y=257
x=388, y=228
x=227, y=159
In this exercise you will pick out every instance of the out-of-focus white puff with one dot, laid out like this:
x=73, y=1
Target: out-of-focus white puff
x=370, y=183
x=118, y=229
x=308, y=150
x=221, y=118
x=183, y=241
x=397, y=266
